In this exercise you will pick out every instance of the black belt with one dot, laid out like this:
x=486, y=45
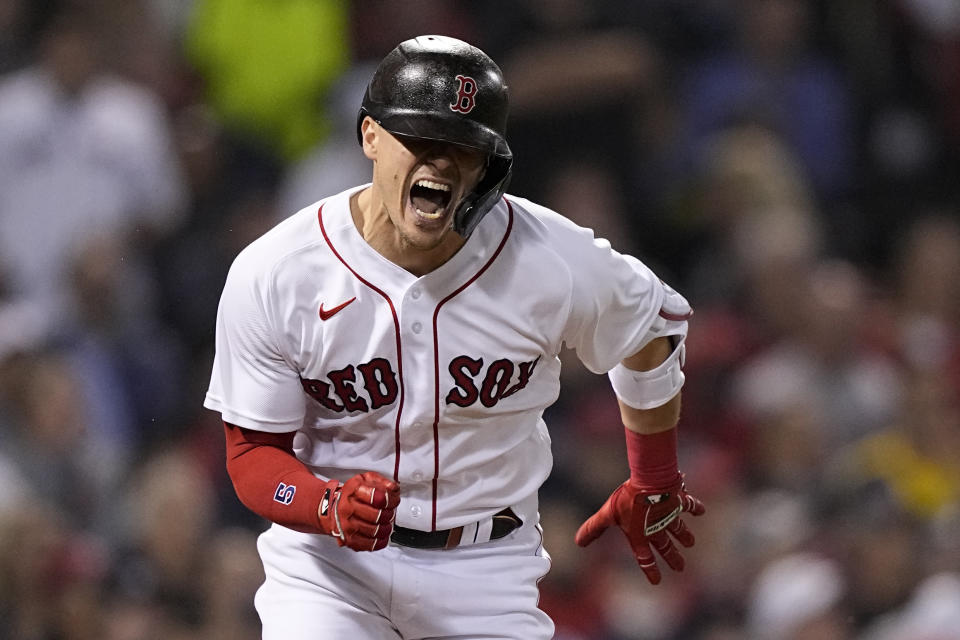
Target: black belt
x=504, y=522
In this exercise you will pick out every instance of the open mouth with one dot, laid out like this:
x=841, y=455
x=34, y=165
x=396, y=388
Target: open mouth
x=429, y=198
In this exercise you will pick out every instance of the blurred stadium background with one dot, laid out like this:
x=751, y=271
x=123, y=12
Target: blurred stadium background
x=791, y=166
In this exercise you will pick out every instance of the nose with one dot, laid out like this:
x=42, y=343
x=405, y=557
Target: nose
x=442, y=152
x=440, y=157
x=445, y=154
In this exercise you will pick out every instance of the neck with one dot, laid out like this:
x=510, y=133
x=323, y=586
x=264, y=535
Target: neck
x=374, y=224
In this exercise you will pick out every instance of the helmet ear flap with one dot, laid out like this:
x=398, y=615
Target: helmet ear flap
x=484, y=196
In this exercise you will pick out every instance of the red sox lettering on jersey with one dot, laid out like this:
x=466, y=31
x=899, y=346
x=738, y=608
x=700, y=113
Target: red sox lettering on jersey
x=472, y=382
x=434, y=381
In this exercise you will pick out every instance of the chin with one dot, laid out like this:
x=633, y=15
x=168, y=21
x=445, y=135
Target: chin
x=426, y=240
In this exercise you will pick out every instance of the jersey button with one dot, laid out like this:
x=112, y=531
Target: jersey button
x=417, y=327
x=415, y=294
x=417, y=475
x=415, y=511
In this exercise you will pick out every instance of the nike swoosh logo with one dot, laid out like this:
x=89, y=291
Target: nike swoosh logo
x=329, y=313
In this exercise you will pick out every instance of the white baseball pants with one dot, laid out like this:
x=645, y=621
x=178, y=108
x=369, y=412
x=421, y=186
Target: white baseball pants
x=315, y=590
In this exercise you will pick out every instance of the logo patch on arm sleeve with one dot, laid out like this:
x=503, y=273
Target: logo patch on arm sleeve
x=284, y=493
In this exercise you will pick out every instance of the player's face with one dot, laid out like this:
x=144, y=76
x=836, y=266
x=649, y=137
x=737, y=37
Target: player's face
x=420, y=182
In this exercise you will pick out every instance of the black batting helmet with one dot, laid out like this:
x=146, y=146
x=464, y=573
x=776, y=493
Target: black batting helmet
x=440, y=88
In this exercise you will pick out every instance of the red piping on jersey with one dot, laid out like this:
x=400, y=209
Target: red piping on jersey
x=436, y=363
x=676, y=317
x=396, y=327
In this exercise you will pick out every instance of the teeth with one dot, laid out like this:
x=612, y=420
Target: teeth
x=430, y=216
x=429, y=184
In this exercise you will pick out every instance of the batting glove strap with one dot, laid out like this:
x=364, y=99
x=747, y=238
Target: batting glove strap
x=338, y=532
x=654, y=501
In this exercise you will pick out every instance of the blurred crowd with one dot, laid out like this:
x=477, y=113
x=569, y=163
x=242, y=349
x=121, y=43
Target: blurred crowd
x=789, y=165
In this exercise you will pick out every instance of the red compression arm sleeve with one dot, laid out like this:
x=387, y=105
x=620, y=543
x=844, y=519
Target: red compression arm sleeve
x=271, y=481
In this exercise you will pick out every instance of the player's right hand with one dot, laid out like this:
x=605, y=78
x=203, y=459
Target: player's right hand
x=360, y=512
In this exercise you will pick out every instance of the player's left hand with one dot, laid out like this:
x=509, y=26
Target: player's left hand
x=647, y=515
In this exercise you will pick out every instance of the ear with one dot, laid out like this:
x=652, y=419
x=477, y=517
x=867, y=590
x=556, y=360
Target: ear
x=370, y=137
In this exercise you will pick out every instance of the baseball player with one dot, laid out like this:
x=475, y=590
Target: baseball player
x=384, y=358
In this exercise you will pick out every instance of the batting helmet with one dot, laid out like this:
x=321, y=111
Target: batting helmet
x=440, y=88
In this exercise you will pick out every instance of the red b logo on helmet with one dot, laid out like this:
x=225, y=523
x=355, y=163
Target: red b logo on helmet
x=465, y=95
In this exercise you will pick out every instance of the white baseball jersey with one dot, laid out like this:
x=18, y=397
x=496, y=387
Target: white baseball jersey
x=438, y=381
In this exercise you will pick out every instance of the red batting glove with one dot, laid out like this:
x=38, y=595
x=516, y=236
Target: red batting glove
x=646, y=515
x=360, y=512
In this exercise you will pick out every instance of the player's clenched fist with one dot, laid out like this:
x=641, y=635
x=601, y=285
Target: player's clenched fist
x=646, y=515
x=360, y=512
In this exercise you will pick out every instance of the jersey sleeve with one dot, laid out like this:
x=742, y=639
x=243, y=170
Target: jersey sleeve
x=615, y=301
x=253, y=384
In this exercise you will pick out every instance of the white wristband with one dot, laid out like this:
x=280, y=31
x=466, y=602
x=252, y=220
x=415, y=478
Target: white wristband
x=650, y=389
